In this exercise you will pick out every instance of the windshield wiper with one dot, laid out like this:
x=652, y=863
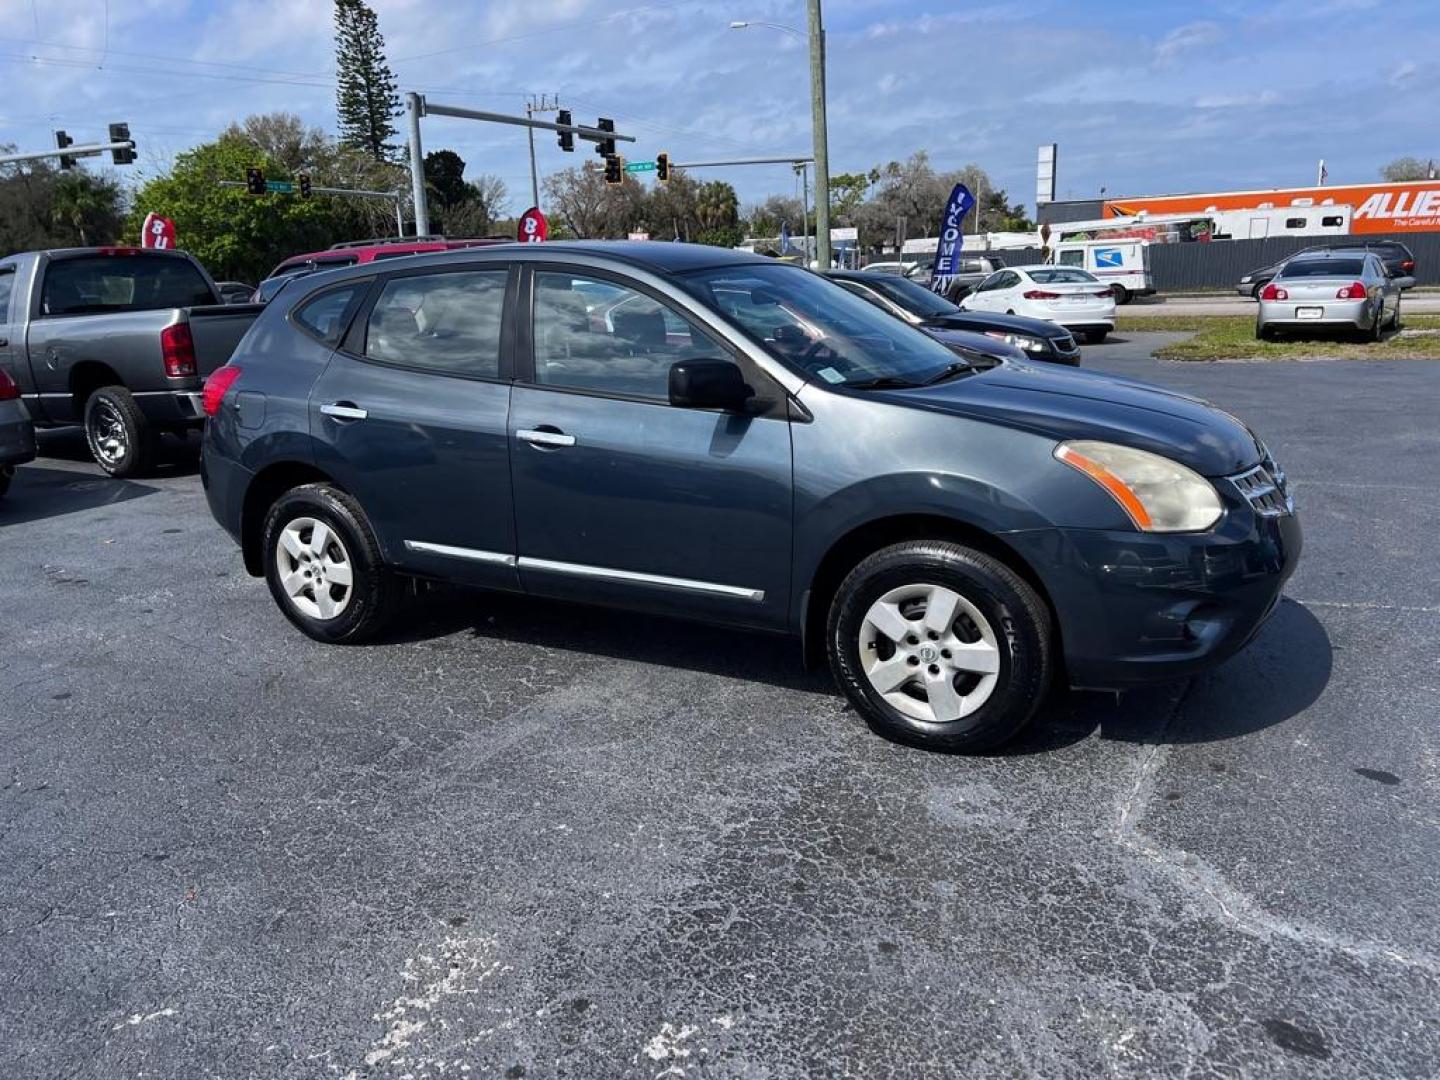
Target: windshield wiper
x=959, y=367
x=884, y=382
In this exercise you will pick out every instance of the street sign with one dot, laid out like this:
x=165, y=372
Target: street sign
x=851, y=233
x=283, y=187
x=639, y=166
x=638, y=236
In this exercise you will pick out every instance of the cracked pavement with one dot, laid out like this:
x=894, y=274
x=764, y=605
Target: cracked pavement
x=524, y=839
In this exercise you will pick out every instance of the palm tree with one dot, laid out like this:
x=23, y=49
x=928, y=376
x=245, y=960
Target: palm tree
x=83, y=205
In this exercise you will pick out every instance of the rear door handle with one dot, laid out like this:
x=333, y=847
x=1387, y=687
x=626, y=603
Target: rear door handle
x=4, y=341
x=343, y=410
x=537, y=437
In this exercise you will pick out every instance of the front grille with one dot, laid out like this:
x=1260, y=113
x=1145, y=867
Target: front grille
x=1265, y=489
x=1064, y=344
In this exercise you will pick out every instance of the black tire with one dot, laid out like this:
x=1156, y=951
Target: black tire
x=1096, y=337
x=1019, y=624
x=1395, y=318
x=120, y=439
x=1255, y=290
x=375, y=593
x=1264, y=333
x=1377, y=327
x=1122, y=294
x=7, y=473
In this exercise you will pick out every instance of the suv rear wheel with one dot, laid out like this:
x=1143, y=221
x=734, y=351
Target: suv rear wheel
x=940, y=646
x=324, y=568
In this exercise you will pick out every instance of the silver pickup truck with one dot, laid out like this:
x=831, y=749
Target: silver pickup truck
x=118, y=340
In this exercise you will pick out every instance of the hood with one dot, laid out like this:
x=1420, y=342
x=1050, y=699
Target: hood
x=1064, y=403
x=967, y=343
x=980, y=321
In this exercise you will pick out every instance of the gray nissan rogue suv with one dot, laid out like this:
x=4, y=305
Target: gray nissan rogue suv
x=700, y=432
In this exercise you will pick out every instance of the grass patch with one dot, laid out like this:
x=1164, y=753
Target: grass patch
x=1232, y=337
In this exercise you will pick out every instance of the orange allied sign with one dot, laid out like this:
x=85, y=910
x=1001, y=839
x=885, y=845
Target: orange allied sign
x=1378, y=208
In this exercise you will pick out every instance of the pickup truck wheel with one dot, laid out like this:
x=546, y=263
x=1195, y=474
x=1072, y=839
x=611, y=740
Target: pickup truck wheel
x=119, y=436
x=324, y=568
x=940, y=646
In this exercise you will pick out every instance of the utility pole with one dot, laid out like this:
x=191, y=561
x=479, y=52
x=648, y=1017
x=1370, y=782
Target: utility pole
x=415, y=108
x=822, y=147
x=803, y=170
x=544, y=105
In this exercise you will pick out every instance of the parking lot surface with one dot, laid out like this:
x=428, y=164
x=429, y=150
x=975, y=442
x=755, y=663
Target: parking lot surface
x=524, y=839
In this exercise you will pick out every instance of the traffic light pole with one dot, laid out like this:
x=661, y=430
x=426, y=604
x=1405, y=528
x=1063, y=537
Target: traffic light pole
x=416, y=106
x=73, y=150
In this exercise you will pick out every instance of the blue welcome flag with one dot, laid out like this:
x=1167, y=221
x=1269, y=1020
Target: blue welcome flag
x=952, y=238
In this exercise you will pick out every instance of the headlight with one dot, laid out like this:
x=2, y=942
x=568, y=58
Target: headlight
x=1246, y=279
x=1024, y=341
x=1158, y=494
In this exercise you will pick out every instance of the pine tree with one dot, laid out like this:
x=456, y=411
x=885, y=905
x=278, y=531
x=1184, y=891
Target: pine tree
x=366, y=101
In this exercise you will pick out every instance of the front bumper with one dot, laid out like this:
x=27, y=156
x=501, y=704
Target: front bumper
x=1346, y=314
x=1135, y=607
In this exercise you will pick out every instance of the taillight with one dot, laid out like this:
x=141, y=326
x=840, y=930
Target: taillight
x=8, y=390
x=220, y=380
x=178, y=349
x=1273, y=292
x=1041, y=294
x=1105, y=294
x=1354, y=291
x=1408, y=265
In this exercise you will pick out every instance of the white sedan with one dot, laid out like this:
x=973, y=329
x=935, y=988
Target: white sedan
x=1077, y=300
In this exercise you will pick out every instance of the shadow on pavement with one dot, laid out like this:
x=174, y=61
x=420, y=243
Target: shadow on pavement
x=177, y=456
x=1278, y=675
x=38, y=493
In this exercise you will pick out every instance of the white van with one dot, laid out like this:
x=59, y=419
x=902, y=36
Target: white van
x=1124, y=265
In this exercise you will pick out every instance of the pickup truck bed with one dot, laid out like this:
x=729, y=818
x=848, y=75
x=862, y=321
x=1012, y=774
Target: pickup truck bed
x=118, y=340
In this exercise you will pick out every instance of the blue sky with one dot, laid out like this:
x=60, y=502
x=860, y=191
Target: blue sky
x=1144, y=97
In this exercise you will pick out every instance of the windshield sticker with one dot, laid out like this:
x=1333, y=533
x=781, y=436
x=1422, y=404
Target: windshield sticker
x=830, y=375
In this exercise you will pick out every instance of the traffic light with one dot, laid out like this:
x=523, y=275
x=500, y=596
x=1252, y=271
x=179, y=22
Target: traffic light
x=304, y=185
x=122, y=155
x=255, y=180
x=662, y=167
x=614, y=169
x=605, y=147
x=61, y=142
x=566, y=139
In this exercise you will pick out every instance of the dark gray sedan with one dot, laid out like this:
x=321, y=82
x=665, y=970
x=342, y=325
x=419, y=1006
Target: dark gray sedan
x=744, y=442
x=17, y=433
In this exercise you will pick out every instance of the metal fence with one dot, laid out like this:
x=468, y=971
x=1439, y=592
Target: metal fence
x=1222, y=263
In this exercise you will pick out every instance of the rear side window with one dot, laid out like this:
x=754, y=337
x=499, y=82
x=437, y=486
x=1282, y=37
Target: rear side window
x=325, y=316
x=7, y=286
x=1072, y=258
x=446, y=323
x=103, y=283
x=1295, y=223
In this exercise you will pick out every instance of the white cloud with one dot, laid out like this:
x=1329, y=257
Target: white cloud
x=1185, y=39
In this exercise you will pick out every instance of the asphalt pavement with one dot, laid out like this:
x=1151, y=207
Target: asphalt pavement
x=524, y=839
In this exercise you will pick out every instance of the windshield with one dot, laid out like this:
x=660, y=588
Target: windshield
x=1322, y=268
x=1062, y=275
x=913, y=297
x=820, y=329
x=98, y=283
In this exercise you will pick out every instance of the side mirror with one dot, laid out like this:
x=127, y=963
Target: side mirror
x=708, y=384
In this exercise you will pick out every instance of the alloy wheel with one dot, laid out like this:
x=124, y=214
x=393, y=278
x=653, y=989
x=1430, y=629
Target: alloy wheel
x=314, y=568
x=929, y=652
x=108, y=437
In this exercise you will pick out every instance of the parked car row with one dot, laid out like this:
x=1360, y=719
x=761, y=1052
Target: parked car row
x=699, y=432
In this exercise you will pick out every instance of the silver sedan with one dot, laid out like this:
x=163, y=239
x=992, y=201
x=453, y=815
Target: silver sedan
x=1330, y=291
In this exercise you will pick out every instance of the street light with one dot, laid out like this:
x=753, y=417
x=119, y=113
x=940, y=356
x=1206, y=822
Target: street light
x=817, y=112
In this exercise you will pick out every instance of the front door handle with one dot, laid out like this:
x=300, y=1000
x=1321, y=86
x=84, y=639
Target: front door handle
x=541, y=437
x=344, y=410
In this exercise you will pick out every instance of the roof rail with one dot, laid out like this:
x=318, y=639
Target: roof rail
x=380, y=240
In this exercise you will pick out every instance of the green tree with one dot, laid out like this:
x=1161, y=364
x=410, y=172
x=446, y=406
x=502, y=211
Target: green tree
x=445, y=178
x=366, y=99
x=717, y=215
x=42, y=207
x=237, y=236
x=847, y=193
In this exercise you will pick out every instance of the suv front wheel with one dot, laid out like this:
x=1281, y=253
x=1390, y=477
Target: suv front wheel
x=940, y=646
x=324, y=567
